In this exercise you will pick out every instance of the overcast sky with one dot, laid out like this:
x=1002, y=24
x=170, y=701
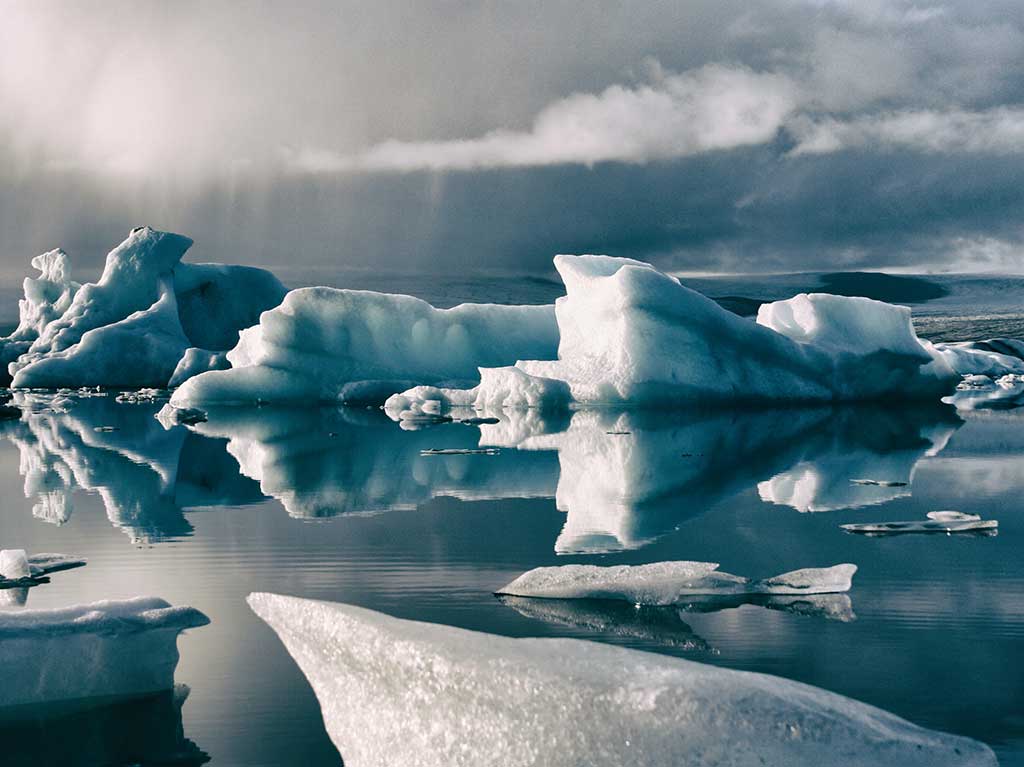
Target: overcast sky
x=722, y=136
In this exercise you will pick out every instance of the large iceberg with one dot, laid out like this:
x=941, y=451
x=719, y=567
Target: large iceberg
x=667, y=583
x=104, y=649
x=329, y=345
x=133, y=326
x=401, y=692
x=631, y=335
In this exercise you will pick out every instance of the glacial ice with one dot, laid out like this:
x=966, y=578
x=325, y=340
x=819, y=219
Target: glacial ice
x=110, y=648
x=666, y=583
x=16, y=565
x=131, y=327
x=329, y=345
x=631, y=335
x=195, y=361
x=401, y=692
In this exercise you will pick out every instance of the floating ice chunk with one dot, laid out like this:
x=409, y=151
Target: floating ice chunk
x=951, y=516
x=938, y=522
x=141, y=395
x=43, y=564
x=112, y=648
x=666, y=583
x=196, y=361
x=14, y=565
x=504, y=388
x=400, y=692
x=975, y=382
x=993, y=358
x=879, y=482
x=320, y=341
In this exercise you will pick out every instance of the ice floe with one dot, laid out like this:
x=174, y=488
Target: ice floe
x=666, y=583
x=401, y=692
x=109, y=649
x=938, y=522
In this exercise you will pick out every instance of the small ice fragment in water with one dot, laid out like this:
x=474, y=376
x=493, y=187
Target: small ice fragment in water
x=105, y=428
x=666, y=583
x=879, y=482
x=937, y=522
x=952, y=516
x=461, y=451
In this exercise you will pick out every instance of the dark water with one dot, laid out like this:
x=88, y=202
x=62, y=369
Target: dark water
x=342, y=505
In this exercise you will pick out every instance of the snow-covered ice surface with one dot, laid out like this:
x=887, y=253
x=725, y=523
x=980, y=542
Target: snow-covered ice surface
x=132, y=326
x=402, y=692
x=666, y=583
x=103, y=649
x=330, y=345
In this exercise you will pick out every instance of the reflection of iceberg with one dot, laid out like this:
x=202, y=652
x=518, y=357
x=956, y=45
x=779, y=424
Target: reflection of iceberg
x=885, y=445
x=666, y=583
x=323, y=462
x=144, y=473
x=401, y=692
x=664, y=624
x=629, y=477
x=612, y=617
x=145, y=730
x=105, y=649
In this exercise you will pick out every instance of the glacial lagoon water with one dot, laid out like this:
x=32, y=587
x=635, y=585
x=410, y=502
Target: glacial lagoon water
x=345, y=505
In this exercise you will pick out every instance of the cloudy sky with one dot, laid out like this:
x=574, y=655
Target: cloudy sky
x=706, y=136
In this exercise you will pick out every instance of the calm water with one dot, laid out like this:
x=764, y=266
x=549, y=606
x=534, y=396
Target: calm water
x=341, y=505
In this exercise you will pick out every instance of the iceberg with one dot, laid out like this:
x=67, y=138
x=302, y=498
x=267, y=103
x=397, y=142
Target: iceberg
x=331, y=345
x=104, y=649
x=16, y=566
x=132, y=327
x=402, y=692
x=666, y=583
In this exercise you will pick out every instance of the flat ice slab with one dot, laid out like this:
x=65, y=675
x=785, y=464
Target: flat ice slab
x=397, y=692
x=937, y=522
x=104, y=649
x=666, y=583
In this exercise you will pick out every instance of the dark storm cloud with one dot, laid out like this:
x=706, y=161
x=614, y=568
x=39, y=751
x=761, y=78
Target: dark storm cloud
x=796, y=135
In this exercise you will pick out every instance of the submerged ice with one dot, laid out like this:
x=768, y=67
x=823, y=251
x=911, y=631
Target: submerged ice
x=401, y=692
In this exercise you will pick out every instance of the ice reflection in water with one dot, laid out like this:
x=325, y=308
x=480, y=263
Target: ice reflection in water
x=941, y=616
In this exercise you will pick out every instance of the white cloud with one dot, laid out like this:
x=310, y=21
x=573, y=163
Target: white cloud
x=993, y=131
x=707, y=109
